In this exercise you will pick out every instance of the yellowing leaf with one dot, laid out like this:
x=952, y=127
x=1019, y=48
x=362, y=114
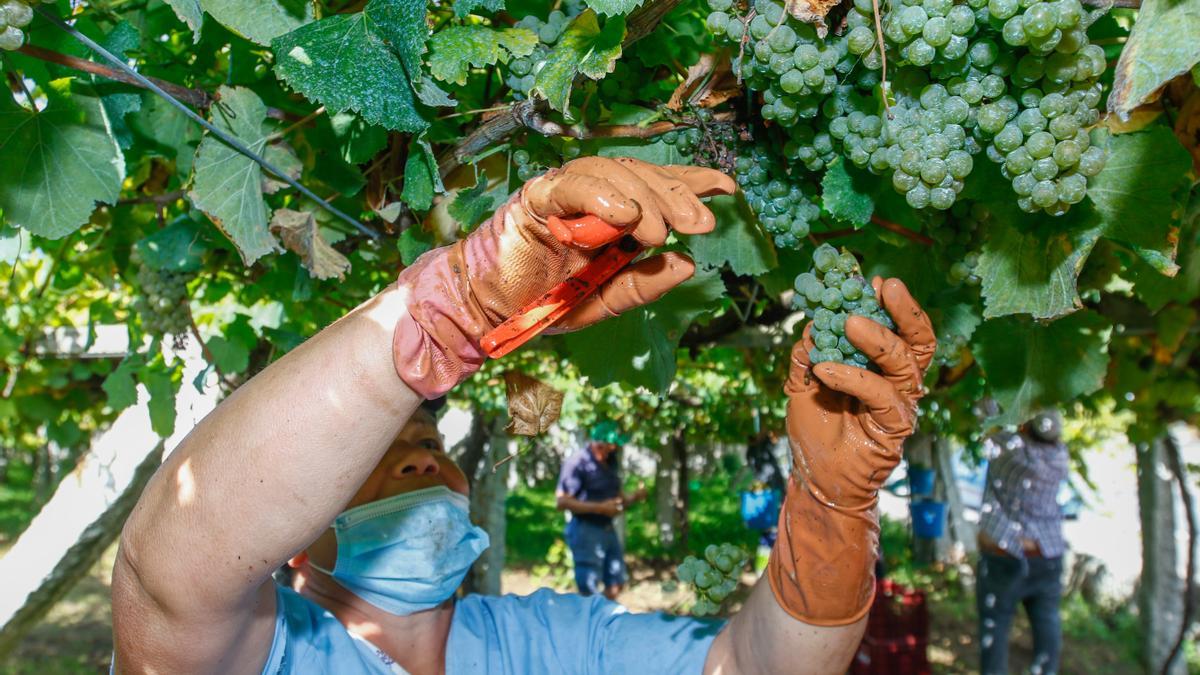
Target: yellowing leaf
x=1162, y=45
x=299, y=232
x=533, y=405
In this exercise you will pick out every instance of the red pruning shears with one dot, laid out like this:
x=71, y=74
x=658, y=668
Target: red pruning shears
x=542, y=313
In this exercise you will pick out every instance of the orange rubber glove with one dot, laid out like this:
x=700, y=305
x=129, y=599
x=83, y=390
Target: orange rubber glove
x=846, y=427
x=458, y=293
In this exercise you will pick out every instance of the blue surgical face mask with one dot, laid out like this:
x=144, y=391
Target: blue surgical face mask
x=407, y=553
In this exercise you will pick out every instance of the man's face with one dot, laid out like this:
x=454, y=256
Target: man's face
x=416, y=459
x=604, y=450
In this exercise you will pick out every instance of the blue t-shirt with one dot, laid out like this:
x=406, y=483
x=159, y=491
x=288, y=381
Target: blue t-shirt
x=544, y=632
x=587, y=479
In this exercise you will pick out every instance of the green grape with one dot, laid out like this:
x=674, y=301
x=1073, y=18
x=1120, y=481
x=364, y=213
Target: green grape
x=921, y=53
x=11, y=38
x=782, y=39
x=860, y=40
x=1040, y=144
x=720, y=5
x=717, y=22
x=1040, y=20
x=1044, y=169
x=918, y=197
x=1010, y=138
x=1044, y=194
x=1023, y=184
x=1072, y=188
x=1091, y=161
x=1003, y=9
x=1018, y=161
x=936, y=31
x=912, y=21
x=1014, y=32
x=1067, y=154
x=521, y=157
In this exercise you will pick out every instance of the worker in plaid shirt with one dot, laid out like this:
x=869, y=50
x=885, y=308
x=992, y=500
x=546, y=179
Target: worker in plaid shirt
x=1021, y=543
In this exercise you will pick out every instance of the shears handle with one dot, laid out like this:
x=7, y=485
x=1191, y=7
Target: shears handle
x=542, y=313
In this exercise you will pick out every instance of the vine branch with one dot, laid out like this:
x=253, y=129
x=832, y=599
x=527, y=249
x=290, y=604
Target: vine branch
x=902, y=231
x=195, y=97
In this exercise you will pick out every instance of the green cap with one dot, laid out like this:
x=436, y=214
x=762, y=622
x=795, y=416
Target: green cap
x=607, y=431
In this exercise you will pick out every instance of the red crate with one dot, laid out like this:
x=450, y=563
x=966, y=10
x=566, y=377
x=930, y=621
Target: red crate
x=897, y=633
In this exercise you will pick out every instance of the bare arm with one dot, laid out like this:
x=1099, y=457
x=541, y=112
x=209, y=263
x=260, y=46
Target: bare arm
x=762, y=638
x=259, y=479
x=608, y=507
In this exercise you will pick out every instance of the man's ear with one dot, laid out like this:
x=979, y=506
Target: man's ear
x=297, y=560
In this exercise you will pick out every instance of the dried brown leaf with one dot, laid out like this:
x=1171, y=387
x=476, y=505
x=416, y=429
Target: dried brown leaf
x=1139, y=119
x=709, y=83
x=533, y=405
x=299, y=232
x=811, y=11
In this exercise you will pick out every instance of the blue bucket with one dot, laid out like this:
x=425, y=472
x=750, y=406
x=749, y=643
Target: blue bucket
x=920, y=480
x=929, y=519
x=760, y=509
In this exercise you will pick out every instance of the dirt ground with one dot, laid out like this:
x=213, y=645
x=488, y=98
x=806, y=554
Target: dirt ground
x=76, y=636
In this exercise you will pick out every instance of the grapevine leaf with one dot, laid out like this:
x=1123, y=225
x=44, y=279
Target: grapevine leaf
x=654, y=152
x=847, y=193
x=737, y=240
x=360, y=141
x=638, y=347
x=167, y=131
x=418, y=177
x=162, y=381
x=120, y=100
x=414, y=241
x=282, y=157
x=614, y=7
x=228, y=186
x=1031, y=365
x=465, y=7
x=189, y=12
x=343, y=62
x=1156, y=290
x=1137, y=193
x=176, y=248
x=455, y=50
x=120, y=387
x=1161, y=46
x=533, y=405
x=262, y=20
x=473, y=204
x=1031, y=267
x=231, y=348
x=584, y=48
x=402, y=25
x=58, y=162
x=302, y=236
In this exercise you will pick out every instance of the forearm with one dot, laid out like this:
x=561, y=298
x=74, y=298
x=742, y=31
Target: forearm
x=763, y=638
x=270, y=468
x=576, y=506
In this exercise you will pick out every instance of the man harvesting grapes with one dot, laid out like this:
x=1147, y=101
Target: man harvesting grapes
x=324, y=460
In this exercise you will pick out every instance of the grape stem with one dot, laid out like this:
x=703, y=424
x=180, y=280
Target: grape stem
x=902, y=231
x=883, y=81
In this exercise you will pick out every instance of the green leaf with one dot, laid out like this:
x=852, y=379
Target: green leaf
x=418, y=177
x=414, y=241
x=614, y=7
x=473, y=204
x=455, y=50
x=228, y=186
x=344, y=63
x=654, y=152
x=189, y=12
x=737, y=240
x=465, y=7
x=162, y=381
x=260, y=21
x=1137, y=193
x=178, y=247
x=119, y=99
x=584, y=48
x=401, y=23
x=58, y=162
x=847, y=193
x=360, y=141
x=1031, y=365
x=1162, y=45
x=167, y=131
x=120, y=386
x=638, y=347
x=228, y=356
x=1030, y=265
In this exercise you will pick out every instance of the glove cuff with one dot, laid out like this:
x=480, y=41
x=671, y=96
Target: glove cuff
x=436, y=343
x=822, y=567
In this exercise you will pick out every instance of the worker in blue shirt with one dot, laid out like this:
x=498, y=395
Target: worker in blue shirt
x=325, y=461
x=589, y=487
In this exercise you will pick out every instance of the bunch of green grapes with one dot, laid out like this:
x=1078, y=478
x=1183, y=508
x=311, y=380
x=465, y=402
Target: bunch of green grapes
x=521, y=71
x=713, y=577
x=781, y=57
x=15, y=15
x=923, y=31
x=955, y=232
x=162, y=305
x=776, y=197
x=1039, y=137
x=832, y=291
